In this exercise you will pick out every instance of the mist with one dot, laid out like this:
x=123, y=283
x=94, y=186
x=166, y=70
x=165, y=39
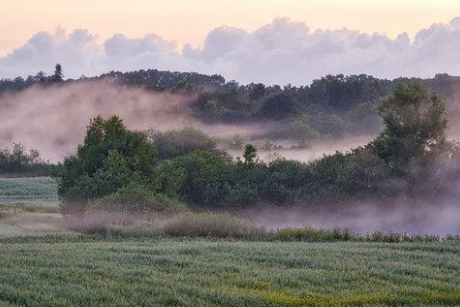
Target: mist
x=53, y=119
x=404, y=216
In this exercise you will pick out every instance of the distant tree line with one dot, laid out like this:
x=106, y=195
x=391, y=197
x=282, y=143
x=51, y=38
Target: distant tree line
x=330, y=106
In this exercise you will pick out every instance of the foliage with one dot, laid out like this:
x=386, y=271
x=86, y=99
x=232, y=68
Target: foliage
x=250, y=154
x=336, y=105
x=201, y=177
x=411, y=158
x=111, y=157
x=175, y=143
x=410, y=130
x=279, y=107
x=137, y=199
x=58, y=76
x=20, y=161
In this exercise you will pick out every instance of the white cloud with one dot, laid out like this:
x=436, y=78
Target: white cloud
x=280, y=52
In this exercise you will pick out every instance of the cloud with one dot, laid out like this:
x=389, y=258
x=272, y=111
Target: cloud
x=281, y=52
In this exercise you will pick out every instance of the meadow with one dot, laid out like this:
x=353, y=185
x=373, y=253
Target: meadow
x=32, y=191
x=166, y=272
x=45, y=264
x=29, y=207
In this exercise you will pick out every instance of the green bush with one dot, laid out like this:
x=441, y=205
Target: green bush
x=211, y=225
x=137, y=198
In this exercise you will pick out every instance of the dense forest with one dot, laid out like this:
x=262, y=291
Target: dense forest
x=333, y=106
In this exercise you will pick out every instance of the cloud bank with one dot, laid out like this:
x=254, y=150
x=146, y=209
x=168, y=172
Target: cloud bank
x=281, y=52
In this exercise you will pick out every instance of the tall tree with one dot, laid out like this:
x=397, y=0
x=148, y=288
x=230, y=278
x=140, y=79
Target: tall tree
x=415, y=128
x=58, y=76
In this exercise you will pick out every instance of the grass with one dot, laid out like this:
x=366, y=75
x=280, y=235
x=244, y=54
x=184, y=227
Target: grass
x=44, y=264
x=34, y=191
x=223, y=273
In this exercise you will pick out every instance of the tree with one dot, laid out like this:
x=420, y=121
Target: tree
x=58, y=76
x=110, y=158
x=415, y=125
x=257, y=91
x=250, y=154
x=279, y=107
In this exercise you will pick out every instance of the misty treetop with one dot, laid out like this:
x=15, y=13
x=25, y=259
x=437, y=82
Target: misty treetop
x=175, y=170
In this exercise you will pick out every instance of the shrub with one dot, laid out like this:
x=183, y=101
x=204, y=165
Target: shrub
x=137, y=199
x=211, y=225
x=204, y=178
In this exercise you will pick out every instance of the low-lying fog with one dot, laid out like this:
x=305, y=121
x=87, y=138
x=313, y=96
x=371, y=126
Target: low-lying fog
x=418, y=218
x=53, y=119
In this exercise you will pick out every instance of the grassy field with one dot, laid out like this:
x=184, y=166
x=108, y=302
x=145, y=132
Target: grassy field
x=218, y=273
x=64, y=268
x=37, y=191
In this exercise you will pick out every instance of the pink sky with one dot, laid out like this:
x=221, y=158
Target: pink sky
x=189, y=21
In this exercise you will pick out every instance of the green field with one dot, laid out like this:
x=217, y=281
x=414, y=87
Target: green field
x=36, y=191
x=45, y=264
x=218, y=273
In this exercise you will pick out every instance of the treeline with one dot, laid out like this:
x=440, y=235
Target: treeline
x=116, y=169
x=330, y=106
x=22, y=162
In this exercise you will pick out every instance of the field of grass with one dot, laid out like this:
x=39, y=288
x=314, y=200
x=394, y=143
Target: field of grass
x=34, y=191
x=224, y=273
x=45, y=264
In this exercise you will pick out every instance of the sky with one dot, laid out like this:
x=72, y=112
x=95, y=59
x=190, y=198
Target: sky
x=181, y=34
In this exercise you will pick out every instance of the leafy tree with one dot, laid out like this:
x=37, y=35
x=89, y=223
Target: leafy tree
x=257, y=91
x=414, y=131
x=203, y=178
x=110, y=158
x=58, y=76
x=279, y=107
x=250, y=154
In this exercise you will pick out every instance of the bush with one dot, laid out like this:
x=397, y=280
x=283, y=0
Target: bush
x=211, y=225
x=204, y=178
x=137, y=199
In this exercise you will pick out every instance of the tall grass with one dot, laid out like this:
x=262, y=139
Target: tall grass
x=222, y=226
